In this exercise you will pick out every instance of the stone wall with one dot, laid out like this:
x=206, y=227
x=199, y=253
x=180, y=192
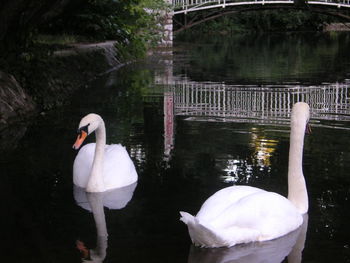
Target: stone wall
x=337, y=27
x=167, y=27
x=167, y=39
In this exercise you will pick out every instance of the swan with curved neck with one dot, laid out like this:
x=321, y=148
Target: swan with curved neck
x=99, y=167
x=242, y=214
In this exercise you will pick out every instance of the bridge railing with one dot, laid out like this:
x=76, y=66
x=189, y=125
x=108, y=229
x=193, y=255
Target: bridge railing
x=183, y=6
x=260, y=104
x=267, y=104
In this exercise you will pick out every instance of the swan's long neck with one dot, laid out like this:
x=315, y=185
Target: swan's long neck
x=96, y=203
x=95, y=183
x=297, y=192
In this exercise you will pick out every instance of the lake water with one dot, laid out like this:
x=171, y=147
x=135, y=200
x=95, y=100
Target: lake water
x=212, y=113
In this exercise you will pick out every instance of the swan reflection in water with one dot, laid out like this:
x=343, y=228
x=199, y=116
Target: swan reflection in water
x=95, y=203
x=274, y=251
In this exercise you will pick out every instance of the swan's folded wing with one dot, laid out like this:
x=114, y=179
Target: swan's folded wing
x=119, y=170
x=216, y=204
x=271, y=214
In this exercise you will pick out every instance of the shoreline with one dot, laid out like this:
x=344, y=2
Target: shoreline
x=54, y=80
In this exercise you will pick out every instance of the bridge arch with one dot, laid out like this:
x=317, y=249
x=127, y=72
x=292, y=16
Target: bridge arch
x=218, y=8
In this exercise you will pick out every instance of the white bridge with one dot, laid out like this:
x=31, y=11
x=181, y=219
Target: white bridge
x=186, y=6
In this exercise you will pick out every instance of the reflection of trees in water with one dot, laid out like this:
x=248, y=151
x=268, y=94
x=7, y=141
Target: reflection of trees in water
x=224, y=152
x=268, y=58
x=256, y=165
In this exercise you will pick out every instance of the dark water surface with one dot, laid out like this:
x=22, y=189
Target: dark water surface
x=212, y=114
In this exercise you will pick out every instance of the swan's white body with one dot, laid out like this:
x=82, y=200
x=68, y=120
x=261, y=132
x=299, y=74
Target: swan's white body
x=242, y=214
x=118, y=168
x=99, y=167
x=273, y=251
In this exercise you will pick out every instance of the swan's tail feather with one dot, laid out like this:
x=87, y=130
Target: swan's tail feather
x=200, y=235
x=187, y=218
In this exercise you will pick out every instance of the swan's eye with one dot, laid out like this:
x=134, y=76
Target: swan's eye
x=83, y=128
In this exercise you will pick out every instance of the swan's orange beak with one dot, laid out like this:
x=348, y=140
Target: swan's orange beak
x=81, y=137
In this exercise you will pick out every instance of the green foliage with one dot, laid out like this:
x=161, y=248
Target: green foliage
x=283, y=20
x=267, y=21
x=133, y=23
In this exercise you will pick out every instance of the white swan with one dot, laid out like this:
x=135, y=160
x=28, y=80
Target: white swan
x=242, y=214
x=99, y=167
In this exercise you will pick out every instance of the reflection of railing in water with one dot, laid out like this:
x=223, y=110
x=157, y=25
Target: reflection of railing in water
x=249, y=104
x=262, y=104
